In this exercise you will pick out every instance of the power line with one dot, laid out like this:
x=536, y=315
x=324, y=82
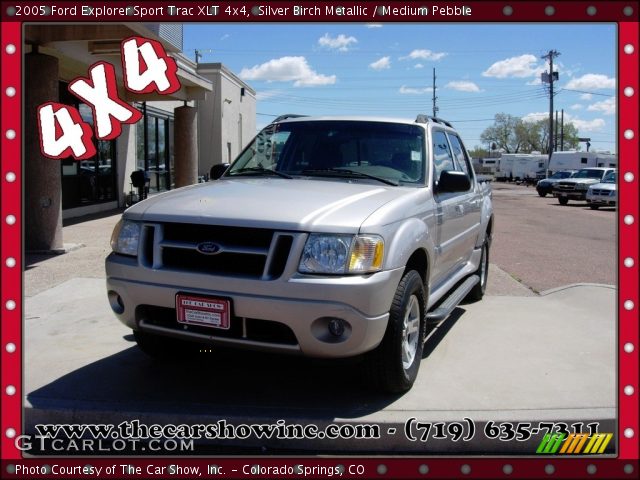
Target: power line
x=590, y=93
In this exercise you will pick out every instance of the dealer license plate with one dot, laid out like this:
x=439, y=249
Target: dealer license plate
x=204, y=311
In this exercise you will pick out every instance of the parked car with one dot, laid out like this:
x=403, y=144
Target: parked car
x=603, y=194
x=327, y=237
x=545, y=185
x=575, y=188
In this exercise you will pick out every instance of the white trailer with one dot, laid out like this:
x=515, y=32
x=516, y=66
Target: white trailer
x=577, y=160
x=504, y=168
x=520, y=166
x=527, y=166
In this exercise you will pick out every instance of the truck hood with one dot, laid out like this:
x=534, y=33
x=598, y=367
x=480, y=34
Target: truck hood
x=295, y=204
x=588, y=181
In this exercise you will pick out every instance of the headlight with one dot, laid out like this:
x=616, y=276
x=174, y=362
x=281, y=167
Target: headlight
x=341, y=254
x=125, y=238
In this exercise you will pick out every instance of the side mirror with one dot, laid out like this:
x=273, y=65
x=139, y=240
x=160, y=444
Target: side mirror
x=453, y=181
x=218, y=170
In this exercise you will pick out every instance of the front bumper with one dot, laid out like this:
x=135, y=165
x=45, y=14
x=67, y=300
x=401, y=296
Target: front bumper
x=603, y=200
x=301, y=303
x=572, y=195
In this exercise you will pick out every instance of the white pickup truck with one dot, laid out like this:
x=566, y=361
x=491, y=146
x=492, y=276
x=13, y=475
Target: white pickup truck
x=327, y=237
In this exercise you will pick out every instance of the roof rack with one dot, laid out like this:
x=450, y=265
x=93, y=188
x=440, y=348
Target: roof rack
x=287, y=115
x=421, y=118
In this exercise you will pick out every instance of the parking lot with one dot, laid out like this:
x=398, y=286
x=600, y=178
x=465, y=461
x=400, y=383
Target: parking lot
x=490, y=361
x=546, y=245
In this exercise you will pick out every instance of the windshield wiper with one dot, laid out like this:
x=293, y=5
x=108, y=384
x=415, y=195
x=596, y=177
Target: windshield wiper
x=341, y=172
x=260, y=169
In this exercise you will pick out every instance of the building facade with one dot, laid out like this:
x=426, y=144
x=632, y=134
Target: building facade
x=228, y=113
x=166, y=143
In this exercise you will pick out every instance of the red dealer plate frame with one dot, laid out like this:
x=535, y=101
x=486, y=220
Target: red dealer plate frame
x=203, y=311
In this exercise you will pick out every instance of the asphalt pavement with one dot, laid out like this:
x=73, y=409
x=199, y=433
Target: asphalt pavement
x=515, y=357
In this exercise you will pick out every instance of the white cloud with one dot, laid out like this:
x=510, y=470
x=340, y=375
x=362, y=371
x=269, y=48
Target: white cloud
x=576, y=106
x=608, y=106
x=418, y=65
x=587, y=125
x=424, y=55
x=381, y=64
x=225, y=36
x=463, y=86
x=535, y=117
x=287, y=69
x=591, y=81
x=414, y=91
x=341, y=42
x=267, y=94
x=586, y=96
x=519, y=67
x=373, y=25
x=582, y=125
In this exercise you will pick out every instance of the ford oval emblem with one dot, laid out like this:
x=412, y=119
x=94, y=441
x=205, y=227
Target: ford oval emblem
x=208, y=248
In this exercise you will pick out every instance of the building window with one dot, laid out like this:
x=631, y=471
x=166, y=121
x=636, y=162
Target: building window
x=92, y=180
x=154, y=148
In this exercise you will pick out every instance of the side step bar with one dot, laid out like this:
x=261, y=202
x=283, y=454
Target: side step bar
x=452, y=301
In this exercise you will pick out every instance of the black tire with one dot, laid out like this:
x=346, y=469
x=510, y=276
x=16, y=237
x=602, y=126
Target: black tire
x=594, y=207
x=393, y=365
x=477, y=292
x=163, y=348
x=542, y=194
x=563, y=201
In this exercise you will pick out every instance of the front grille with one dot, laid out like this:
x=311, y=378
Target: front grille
x=604, y=193
x=234, y=251
x=265, y=331
x=566, y=186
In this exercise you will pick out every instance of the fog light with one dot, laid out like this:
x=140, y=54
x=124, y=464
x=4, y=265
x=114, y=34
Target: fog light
x=115, y=300
x=336, y=327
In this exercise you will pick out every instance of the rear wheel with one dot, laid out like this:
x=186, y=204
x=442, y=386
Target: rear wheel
x=393, y=365
x=594, y=207
x=563, y=201
x=477, y=292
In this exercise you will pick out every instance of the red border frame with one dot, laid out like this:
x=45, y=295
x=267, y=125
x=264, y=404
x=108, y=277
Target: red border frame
x=406, y=467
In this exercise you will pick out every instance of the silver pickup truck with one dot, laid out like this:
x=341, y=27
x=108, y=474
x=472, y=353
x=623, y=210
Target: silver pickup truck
x=327, y=237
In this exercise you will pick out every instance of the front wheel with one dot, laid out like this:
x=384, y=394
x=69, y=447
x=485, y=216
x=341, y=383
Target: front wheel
x=563, y=201
x=594, y=207
x=393, y=365
x=542, y=194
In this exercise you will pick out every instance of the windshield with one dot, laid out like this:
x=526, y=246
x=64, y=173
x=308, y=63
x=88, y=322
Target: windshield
x=609, y=178
x=367, y=150
x=561, y=175
x=587, y=173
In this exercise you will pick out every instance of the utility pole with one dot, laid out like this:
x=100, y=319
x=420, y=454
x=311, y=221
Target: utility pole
x=562, y=130
x=555, y=136
x=435, y=108
x=550, y=78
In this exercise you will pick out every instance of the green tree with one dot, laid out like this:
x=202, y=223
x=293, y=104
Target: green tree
x=479, y=152
x=513, y=135
x=505, y=133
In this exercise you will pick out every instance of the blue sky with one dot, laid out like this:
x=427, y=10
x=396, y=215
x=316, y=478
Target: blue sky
x=386, y=69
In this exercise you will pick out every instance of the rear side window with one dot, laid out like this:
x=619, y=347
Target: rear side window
x=442, y=156
x=459, y=155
